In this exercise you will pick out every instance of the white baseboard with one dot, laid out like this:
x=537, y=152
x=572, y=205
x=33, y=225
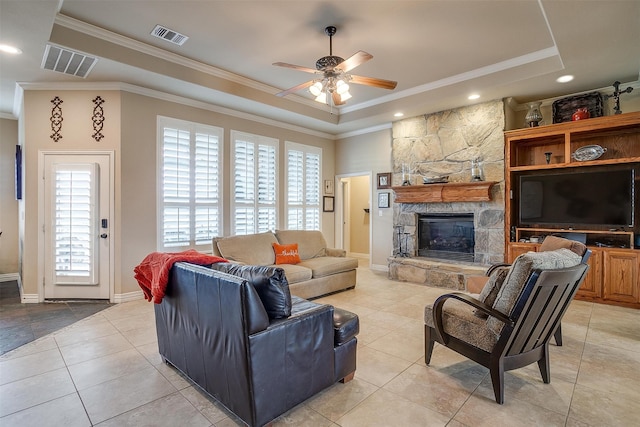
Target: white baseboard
x=8, y=277
x=128, y=296
x=30, y=298
x=380, y=267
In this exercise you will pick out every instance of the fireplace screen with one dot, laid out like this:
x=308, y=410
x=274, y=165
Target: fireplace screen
x=446, y=236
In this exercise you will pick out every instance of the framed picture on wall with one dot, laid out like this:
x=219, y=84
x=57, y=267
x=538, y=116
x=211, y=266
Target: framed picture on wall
x=327, y=204
x=383, y=200
x=328, y=186
x=384, y=180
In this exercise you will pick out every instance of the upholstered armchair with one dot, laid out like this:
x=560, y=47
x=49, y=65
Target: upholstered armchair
x=511, y=323
x=550, y=243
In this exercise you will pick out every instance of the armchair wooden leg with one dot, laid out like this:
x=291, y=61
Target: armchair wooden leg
x=497, y=379
x=558, y=335
x=543, y=365
x=428, y=344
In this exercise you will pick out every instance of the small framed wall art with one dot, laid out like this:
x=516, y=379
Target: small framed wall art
x=383, y=200
x=327, y=204
x=384, y=180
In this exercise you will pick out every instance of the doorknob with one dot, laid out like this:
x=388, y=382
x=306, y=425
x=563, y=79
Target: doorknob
x=103, y=235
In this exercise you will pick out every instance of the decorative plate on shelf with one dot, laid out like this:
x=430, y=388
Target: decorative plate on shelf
x=588, y=152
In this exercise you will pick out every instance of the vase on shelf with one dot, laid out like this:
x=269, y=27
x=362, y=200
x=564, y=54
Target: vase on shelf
x=580, y=114
x=534, y=116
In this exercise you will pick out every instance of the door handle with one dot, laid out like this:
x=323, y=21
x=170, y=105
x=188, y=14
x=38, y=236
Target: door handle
x=103, y=235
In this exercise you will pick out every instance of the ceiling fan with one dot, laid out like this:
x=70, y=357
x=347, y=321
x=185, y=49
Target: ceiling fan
x=333, y=75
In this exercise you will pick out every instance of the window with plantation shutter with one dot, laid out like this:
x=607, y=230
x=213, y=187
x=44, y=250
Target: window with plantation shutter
x=190, y=185
x=255, y=183
x=304, y=166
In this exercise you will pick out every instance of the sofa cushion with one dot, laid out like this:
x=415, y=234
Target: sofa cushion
x=269, y=282
x=254, y=249
x=519, y=273
x=311, y=243
x=296, y=273
x=286, y=254
x=460, y=322
x=328, y=265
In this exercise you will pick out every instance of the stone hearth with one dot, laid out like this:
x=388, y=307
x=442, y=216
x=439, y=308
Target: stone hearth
x=442, y=274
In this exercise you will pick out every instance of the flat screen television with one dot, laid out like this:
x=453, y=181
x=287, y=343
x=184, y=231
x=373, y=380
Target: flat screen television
x=588, y=197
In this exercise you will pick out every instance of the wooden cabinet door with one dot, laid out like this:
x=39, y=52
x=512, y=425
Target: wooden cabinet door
x=592, y=285
x=516, y=249
x=621, y=275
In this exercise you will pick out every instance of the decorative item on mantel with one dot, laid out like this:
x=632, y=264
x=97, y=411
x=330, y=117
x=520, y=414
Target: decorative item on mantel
x=406, y=174
x=534, y=116
x=616, y=95
x=476, y=170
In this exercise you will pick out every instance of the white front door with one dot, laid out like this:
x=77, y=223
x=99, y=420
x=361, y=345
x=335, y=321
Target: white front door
x=77, y=224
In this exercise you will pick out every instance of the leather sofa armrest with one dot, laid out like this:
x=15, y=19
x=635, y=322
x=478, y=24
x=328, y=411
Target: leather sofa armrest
x=336, y=252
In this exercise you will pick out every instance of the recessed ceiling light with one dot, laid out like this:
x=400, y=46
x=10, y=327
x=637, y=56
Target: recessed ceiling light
x=10, y=49
x=564, y=79
x=398, y=115
x=473, y=96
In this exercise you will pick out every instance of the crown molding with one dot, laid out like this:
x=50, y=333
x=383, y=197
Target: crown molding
x=365, y=131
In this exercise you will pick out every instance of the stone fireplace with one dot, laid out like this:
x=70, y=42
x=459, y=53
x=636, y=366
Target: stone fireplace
x=445, y=144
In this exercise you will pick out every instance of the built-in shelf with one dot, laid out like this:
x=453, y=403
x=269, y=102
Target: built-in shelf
x=479, y=191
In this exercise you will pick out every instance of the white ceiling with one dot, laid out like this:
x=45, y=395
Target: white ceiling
x=439, y=52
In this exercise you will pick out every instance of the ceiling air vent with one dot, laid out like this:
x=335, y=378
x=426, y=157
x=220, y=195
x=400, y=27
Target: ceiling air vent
x=67, y=61
x=169, y=35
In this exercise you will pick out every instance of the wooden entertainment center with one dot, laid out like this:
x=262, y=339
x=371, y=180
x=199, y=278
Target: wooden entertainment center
x=614, y=274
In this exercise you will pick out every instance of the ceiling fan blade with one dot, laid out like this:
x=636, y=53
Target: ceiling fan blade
x=296, y=88
x=354, y=60
x=336, y=98
x=370, y=81
x=295, y=67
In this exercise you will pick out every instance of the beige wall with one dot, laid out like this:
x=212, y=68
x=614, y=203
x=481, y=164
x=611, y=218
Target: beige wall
x=77, y=128
x=8, y=202
x=371, y=152
x=130, y=131
x=138, y=234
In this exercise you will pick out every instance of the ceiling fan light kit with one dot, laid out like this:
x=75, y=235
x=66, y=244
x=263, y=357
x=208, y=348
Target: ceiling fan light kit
x=334, y=75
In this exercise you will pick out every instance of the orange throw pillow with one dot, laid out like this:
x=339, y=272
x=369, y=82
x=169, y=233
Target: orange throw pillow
x=286, y=254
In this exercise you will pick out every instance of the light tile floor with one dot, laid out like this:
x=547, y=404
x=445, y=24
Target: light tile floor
x=105, y=370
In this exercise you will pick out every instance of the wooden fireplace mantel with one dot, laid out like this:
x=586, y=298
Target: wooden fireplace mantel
x=450, y=192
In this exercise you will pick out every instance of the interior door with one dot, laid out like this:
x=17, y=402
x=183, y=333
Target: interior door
x=77, y=224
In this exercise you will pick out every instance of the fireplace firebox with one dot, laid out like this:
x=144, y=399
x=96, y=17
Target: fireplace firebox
x=446, y=236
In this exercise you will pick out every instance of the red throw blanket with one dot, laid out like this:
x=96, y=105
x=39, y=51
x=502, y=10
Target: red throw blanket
x=152, y=273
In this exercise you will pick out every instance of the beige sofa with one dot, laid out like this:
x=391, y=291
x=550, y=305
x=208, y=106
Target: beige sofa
x=321, y=270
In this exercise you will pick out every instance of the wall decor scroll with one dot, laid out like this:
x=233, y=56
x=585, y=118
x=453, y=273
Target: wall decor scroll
x=56, y=119
x=98, y=118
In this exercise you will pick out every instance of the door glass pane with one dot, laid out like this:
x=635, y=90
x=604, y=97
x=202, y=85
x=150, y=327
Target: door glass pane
x=74, y=223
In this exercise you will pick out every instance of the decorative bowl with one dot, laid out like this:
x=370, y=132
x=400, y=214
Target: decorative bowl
x=588, y=152
x=435, y=179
